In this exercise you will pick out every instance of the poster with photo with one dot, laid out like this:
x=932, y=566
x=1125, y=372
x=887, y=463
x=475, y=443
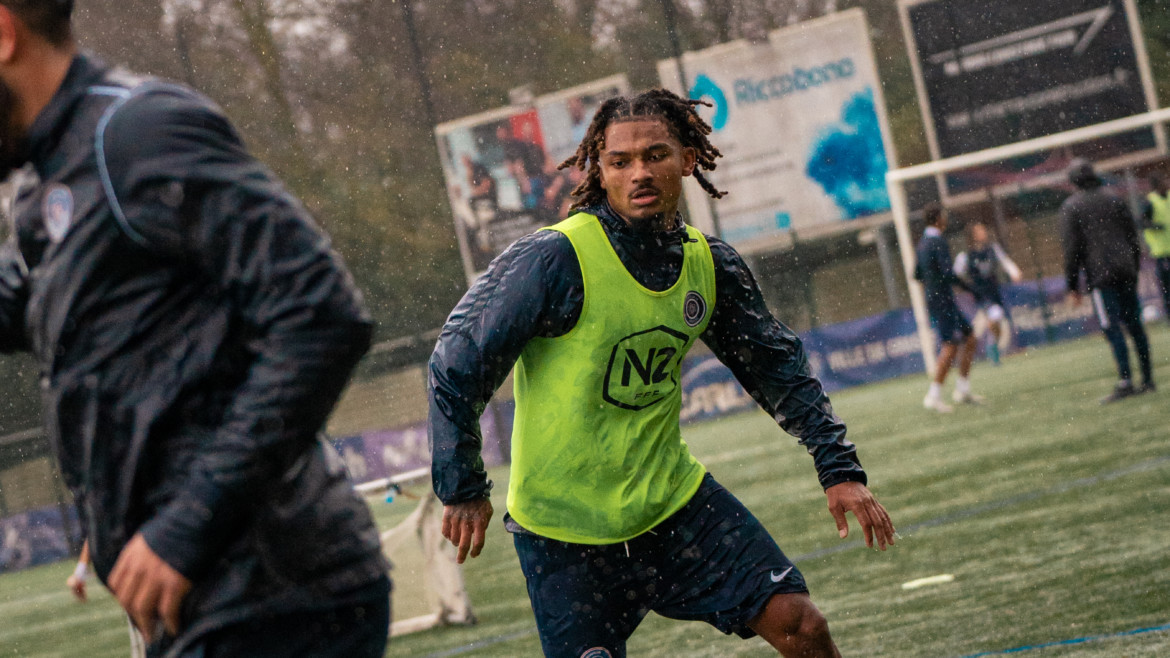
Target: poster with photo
x=501, y=167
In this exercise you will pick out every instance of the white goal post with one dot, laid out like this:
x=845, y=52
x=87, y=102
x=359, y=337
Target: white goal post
x=896, y=183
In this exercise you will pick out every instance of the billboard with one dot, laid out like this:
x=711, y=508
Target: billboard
x=501, y=167
x=995, y=72
x=802, y=126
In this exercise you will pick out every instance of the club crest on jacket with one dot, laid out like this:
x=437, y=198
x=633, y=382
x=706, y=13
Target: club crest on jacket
x=58, y=211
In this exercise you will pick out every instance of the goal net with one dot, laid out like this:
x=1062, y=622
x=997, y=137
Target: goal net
x=1021, y=209
x=428, y=583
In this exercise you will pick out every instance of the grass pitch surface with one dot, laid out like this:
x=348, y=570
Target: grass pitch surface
x=1050, y=511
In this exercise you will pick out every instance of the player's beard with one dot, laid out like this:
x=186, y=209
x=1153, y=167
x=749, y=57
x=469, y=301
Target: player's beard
x=13, y=141
x=656, y=223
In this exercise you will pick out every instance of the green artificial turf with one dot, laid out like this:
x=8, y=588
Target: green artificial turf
x=1050, y=511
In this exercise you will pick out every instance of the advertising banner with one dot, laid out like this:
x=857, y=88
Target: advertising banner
x=501, y=167
x=36, y=537
x=801, y=123
x=995, y=72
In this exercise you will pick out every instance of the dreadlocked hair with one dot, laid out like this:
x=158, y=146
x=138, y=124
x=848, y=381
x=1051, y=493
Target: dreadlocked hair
x=680, y=118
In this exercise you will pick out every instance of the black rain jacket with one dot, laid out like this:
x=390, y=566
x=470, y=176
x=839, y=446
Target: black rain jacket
x=1100, y=238
x=194, y=330
x=535, y=289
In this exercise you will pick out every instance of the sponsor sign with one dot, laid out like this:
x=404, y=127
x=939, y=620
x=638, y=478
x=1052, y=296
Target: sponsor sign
x=801, y=123
x=996, y=72
x=501, y=167
x=35, y=537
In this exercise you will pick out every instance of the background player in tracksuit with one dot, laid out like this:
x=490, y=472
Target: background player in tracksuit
x=611, y=515
x=937, y=274
x=194, y=330
x=1156, y=222
x=979, y=266
x=1100, y=239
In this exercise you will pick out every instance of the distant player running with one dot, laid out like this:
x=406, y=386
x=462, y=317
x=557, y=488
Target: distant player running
x=979, y=266
x=611, y=515
x=936, y=272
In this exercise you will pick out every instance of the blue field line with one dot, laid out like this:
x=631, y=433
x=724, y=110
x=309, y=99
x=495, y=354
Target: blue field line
x=479, y=644
x=1065, y=643
x=1064, y=487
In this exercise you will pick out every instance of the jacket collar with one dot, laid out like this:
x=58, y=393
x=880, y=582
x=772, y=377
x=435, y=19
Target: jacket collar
x=46, y=129
x=615, y=225
x=932, y=232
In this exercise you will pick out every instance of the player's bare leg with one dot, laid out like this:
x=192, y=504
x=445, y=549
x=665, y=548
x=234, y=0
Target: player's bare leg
x=795, y=627
x=963, y=394
x=967, y=357
x=933, y=400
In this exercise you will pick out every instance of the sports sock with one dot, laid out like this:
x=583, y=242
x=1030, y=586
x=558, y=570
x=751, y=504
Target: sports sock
x=963, y=385
x=935, y=390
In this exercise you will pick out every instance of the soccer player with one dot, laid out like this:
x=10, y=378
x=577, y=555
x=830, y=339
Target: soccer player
x=194, y=330
x=1101, y=239
x=1156, y=222
x=979, y=266
x=936, y=272
x=611, y=515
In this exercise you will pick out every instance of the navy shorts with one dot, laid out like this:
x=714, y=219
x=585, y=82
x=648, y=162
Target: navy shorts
x=711, y=561
x=950, y=323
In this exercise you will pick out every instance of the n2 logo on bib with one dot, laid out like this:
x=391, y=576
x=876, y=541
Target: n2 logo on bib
x=642, y=368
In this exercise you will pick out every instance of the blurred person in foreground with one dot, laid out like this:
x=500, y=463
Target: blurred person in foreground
x=1101, y=240
x=1156, y=225
x=194, y=330
x=979, y=267
x=611, y=515
x=936, y=271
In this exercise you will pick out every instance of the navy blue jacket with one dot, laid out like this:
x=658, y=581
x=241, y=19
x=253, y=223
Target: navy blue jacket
x=194, y=330
x=937, y=273
x=535, y=289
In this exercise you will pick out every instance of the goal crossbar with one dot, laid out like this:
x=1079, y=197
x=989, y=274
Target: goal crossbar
x=899, y=203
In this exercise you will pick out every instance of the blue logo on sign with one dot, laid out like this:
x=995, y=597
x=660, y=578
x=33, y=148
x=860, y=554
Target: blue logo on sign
x=761, y=90
x=848, y=159
x=705, y=87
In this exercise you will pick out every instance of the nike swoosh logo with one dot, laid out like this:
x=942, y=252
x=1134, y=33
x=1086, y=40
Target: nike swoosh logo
x=776, y=578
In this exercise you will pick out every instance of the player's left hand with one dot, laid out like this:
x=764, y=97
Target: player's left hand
x=148, y=588
x=874, y=520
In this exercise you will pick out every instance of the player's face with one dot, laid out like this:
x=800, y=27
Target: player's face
x=642, y=167
x=979, y=234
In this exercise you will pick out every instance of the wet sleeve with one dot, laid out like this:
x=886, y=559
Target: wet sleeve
x=961, y=264
x=187, y=190
x=769, y=360
x=1073, y=241
x=13, y=298
x=532, y=289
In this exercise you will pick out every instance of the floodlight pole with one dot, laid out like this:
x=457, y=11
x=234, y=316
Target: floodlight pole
x=670, y=15
x=420, y=67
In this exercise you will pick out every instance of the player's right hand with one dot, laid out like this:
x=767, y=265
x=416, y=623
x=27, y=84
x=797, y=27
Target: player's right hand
x=77, y=586
x=465, y=525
